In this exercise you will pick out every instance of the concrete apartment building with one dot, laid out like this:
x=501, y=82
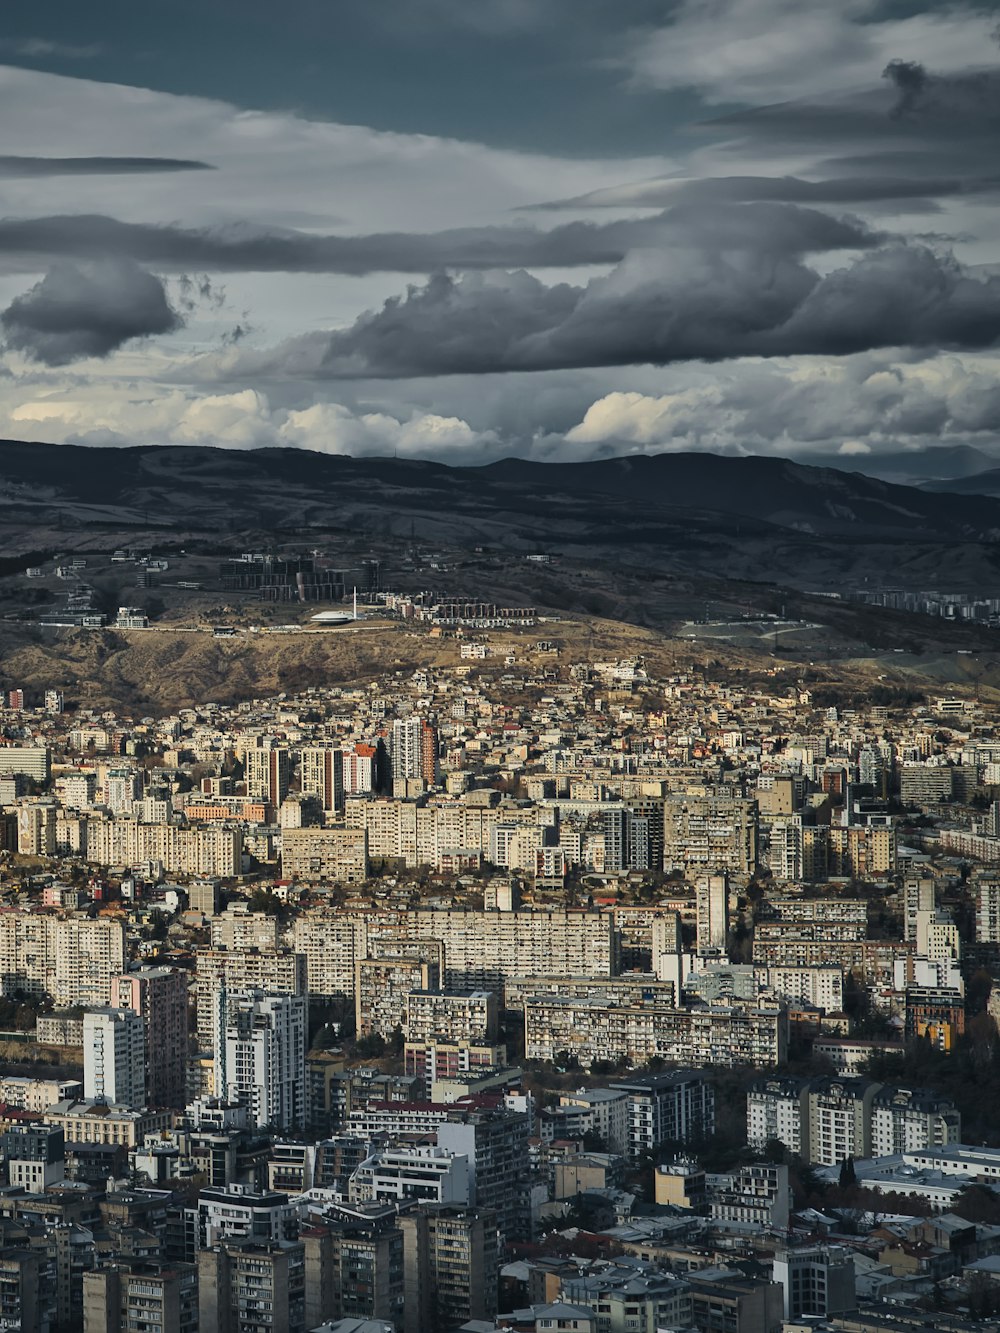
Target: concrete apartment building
x=450, y=1261
x=382, y=991
x=715, y=1034
x=72, y=962
x=267, y=773
x=260, y=1057
x=676, y=1107
x=159, y=995
x=817, y=1282
x=482, y=949
x=338, y=854
x=354, y=1266
x=712, y=912
x=711, y=832
x=114, y=1057
x=826, y=1120
x=193, y=851
x=321, y=774
x=141, y=1293
x=442, y=1016
x=277, y=971
x=244, y=1286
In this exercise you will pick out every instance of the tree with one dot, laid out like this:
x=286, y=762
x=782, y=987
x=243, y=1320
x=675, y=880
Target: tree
x=156, y=928
x=848, y=1176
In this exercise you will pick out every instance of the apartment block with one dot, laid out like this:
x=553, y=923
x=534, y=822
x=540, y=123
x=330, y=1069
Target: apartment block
x=482, y=949
x=906, y=1119
x=98, y=1122
x=192, y=851
x=159, y=995
x=775, y=1111
x=826, y=1120
x=710, y=832
x=267, y=773
x=354, y=1266
x=434, y=1060
x=442, y=1016
x=114, y=1057
x=338, y=854
x=141, y=1294
x=450, y=1263
x=819, y=987
x=677, y=1107
x=717, y=1034
x=382, y=991
x=219, y=971
x=72, y=962
x=321, y=774
x=260, y=1057
x=244, y=1287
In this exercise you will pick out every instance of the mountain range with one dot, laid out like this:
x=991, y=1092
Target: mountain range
x=757, y=517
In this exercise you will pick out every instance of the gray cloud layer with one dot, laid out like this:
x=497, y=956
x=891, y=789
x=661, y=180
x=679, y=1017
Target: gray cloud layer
x=95, y=166
x=79, y=312
x=242, y=249
x=919, y=192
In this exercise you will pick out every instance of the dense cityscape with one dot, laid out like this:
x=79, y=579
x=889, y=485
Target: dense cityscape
x=519, y=993
x=500, y=666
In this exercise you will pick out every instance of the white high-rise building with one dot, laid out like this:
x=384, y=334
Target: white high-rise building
x=918, y=896
x=988, y=912
x=260, y=1056
x=414, y=752
x=267, y=771
x=114, y=1057
x=122, y=788
x=322, y=775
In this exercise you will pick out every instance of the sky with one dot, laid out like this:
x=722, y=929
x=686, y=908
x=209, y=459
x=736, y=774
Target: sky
x=466, y=229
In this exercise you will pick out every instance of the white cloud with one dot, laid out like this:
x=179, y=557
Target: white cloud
x=243, y=419
x=762, y=51
x=853, y=406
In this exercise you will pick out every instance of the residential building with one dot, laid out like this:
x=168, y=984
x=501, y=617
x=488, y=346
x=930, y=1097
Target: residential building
x=414, y=752
x=236, y=971
x=450, y=1262
x=260, y=1057
x=676, y=1107
x=114, y=1057
x=382, y=991
x=339, y=854
x=710, y=833
x=817, y=1282
x=160, y=996
x=142, y=1294
x=246, y=1286
x=712, y=908
x=267, y=772
x=321, y=774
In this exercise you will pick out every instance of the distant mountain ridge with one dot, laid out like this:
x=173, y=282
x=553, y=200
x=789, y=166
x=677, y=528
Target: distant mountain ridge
x=628, y=498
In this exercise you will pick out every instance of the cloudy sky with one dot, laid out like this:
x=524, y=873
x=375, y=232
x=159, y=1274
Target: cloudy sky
x=459, y=229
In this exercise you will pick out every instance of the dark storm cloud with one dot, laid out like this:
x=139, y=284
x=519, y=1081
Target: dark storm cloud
x=668, y=306
x=910, y=81
x=95, y=166
x=241, y=249
x=74, y=312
